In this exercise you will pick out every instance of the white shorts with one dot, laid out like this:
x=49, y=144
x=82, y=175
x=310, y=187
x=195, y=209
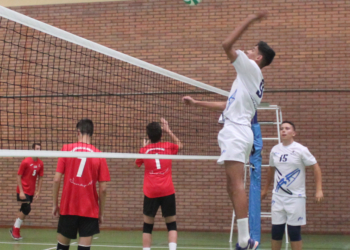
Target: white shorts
x=290, y=210
x=235, y=142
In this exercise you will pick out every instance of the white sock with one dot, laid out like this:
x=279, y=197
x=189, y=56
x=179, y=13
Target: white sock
x=243, y=232
x=18, y=223
x=146, y=248
x=172, y=246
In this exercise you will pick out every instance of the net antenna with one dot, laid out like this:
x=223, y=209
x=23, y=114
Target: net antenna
x=50, y=79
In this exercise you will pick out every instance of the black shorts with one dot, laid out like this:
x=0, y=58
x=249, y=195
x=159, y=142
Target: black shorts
x=69, y=225
x=29, y=198
x=167, y=203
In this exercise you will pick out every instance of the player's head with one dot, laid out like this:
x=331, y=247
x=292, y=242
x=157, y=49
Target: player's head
x=154, y=131
x=85, y=127
x=262, y=54
x=36, y=146
x=287, y=130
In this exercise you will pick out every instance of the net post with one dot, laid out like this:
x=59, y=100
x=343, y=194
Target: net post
x=255, y=182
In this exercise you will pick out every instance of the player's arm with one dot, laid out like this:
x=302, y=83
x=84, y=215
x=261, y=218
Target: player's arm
x=220, y=106
x=166, y=128
x=19, y=183
x=269, y=180
x=20, y=173
x=40, y=183
x=56, y=189
x=227, y=44
x=318, y=183
x=138, y=162
x=102, y=199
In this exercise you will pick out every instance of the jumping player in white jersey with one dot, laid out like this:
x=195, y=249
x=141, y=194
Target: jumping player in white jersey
x=236, y=138
x=288, y=161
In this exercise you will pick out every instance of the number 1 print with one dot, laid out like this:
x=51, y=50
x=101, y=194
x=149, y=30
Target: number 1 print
x=158, y=163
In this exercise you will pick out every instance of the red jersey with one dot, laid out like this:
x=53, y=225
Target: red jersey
x=30, y=169
x=157, y=180
x=79, y=194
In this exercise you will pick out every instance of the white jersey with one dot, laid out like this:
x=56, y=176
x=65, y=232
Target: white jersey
x=290, y=162
x=246, y=92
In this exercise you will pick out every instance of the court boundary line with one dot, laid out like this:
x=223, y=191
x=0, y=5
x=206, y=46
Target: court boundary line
x=120, y=246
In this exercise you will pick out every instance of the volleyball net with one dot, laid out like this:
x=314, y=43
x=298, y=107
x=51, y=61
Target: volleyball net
x=50, y=79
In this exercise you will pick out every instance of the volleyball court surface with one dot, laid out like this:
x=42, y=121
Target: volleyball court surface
x=45, y=239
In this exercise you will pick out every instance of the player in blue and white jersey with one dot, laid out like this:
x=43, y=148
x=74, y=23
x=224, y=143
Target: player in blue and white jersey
x=288, y=162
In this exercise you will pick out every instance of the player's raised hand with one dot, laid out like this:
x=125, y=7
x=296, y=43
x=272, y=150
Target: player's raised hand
x=259, y=15
x=188, y=100
x=56, y=211
x=145, y=142
x=319, y=196
x=165, y=125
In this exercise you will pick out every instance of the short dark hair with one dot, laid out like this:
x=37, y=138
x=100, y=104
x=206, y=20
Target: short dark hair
x=267, y=53
x=154, y=131
x=291, y=123
x=85, y=126
x=34, y=144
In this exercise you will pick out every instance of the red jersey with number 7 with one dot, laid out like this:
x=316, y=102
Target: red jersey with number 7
x=158, y=177
x=79, y=194
x=30, y=169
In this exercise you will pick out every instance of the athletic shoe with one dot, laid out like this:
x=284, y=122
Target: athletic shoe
x=15, y=233
x=252, y=245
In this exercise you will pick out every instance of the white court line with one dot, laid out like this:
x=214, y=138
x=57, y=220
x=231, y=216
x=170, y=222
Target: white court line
x=116, y=246
x=167, y=247
x=50, y=248
x=22, y=243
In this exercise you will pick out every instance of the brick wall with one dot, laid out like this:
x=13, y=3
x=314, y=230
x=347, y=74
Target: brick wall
x=308, y=79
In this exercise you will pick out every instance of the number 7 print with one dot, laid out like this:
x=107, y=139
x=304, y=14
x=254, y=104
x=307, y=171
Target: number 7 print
x=81, y=167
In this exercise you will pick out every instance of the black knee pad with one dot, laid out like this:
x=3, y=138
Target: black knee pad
x=25, y=208
x=277, y=231
x=147, y=228
x=84, y=247
x=171, y=226
x=294, y=233
x=63, y=247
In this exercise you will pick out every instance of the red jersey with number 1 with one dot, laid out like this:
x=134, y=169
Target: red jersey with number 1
x=158, y=180
x=30, y=169
x=79, y=194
